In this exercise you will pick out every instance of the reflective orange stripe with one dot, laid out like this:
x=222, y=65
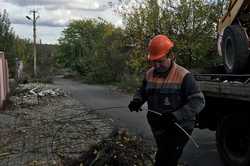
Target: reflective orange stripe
x=175, y=76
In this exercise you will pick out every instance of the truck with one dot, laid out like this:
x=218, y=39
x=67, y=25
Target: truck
x=227, y=93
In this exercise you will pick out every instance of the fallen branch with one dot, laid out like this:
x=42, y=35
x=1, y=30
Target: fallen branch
x=33, y=92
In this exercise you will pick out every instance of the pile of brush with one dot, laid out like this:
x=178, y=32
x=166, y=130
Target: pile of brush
x=119, y=149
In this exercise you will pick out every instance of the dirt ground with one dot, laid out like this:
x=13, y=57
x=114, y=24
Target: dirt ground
x=38, y=127
x=44, y=125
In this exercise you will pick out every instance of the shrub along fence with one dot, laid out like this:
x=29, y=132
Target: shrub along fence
x=4, y=80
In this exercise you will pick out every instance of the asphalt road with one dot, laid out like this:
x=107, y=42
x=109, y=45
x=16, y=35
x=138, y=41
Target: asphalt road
x=98, y=97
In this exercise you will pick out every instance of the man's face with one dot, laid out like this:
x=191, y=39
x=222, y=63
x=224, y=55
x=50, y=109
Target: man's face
x=159, y=63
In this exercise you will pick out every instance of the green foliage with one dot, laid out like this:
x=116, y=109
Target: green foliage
x=6, y=34
x=7, y=38
x=22, y=49
x=12, y=45
x=46, y=61
x=94, y=49
x=191, y=24
x=102, y=53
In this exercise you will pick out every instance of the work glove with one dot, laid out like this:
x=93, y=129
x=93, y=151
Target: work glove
x=135, y=105
x=169, y=118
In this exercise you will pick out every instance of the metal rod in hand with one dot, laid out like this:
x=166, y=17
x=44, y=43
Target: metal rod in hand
x=188, y=135
x=160, y=114
x=182, y=129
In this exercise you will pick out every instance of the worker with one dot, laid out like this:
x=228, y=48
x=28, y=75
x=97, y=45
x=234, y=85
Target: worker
x=172, y=95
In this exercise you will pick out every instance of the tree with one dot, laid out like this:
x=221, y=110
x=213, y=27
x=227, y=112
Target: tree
x=92, y=48
x=7, y=39
x=191, y=24
x=16, y=48
x=6, y=32
x=23, y=50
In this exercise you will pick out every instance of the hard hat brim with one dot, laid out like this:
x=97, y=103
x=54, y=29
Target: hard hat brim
x=159, y=47
x=155, y=57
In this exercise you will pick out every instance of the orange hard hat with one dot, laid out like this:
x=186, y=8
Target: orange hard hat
x=159, y=46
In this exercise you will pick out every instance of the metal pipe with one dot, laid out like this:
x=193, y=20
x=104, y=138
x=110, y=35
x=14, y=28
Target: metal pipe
x=160, y=114
x=182, y=129
x=188, y=135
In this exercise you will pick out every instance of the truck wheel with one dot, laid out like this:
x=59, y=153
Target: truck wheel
x=233, y=140
x=235, y=49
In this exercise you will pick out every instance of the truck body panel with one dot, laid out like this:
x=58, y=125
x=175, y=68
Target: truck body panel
x=226, y=90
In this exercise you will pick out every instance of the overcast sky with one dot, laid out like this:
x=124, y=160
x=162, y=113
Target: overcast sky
x=55, y=15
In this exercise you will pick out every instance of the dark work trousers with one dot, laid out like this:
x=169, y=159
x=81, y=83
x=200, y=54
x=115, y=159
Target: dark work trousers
x=170, y=140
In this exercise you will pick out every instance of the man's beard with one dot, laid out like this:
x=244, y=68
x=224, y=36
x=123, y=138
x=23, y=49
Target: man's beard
x=161, y=71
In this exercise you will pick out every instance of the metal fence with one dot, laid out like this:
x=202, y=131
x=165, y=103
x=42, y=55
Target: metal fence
x=4, y=81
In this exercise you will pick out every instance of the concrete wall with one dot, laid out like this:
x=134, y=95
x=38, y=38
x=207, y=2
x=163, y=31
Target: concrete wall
x=4, y=80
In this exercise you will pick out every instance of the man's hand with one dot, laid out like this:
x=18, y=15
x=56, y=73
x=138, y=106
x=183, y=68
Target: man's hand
x=135, y=105
x=169, y=118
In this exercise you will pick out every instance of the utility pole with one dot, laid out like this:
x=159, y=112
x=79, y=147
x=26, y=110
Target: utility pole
x=34, y=39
